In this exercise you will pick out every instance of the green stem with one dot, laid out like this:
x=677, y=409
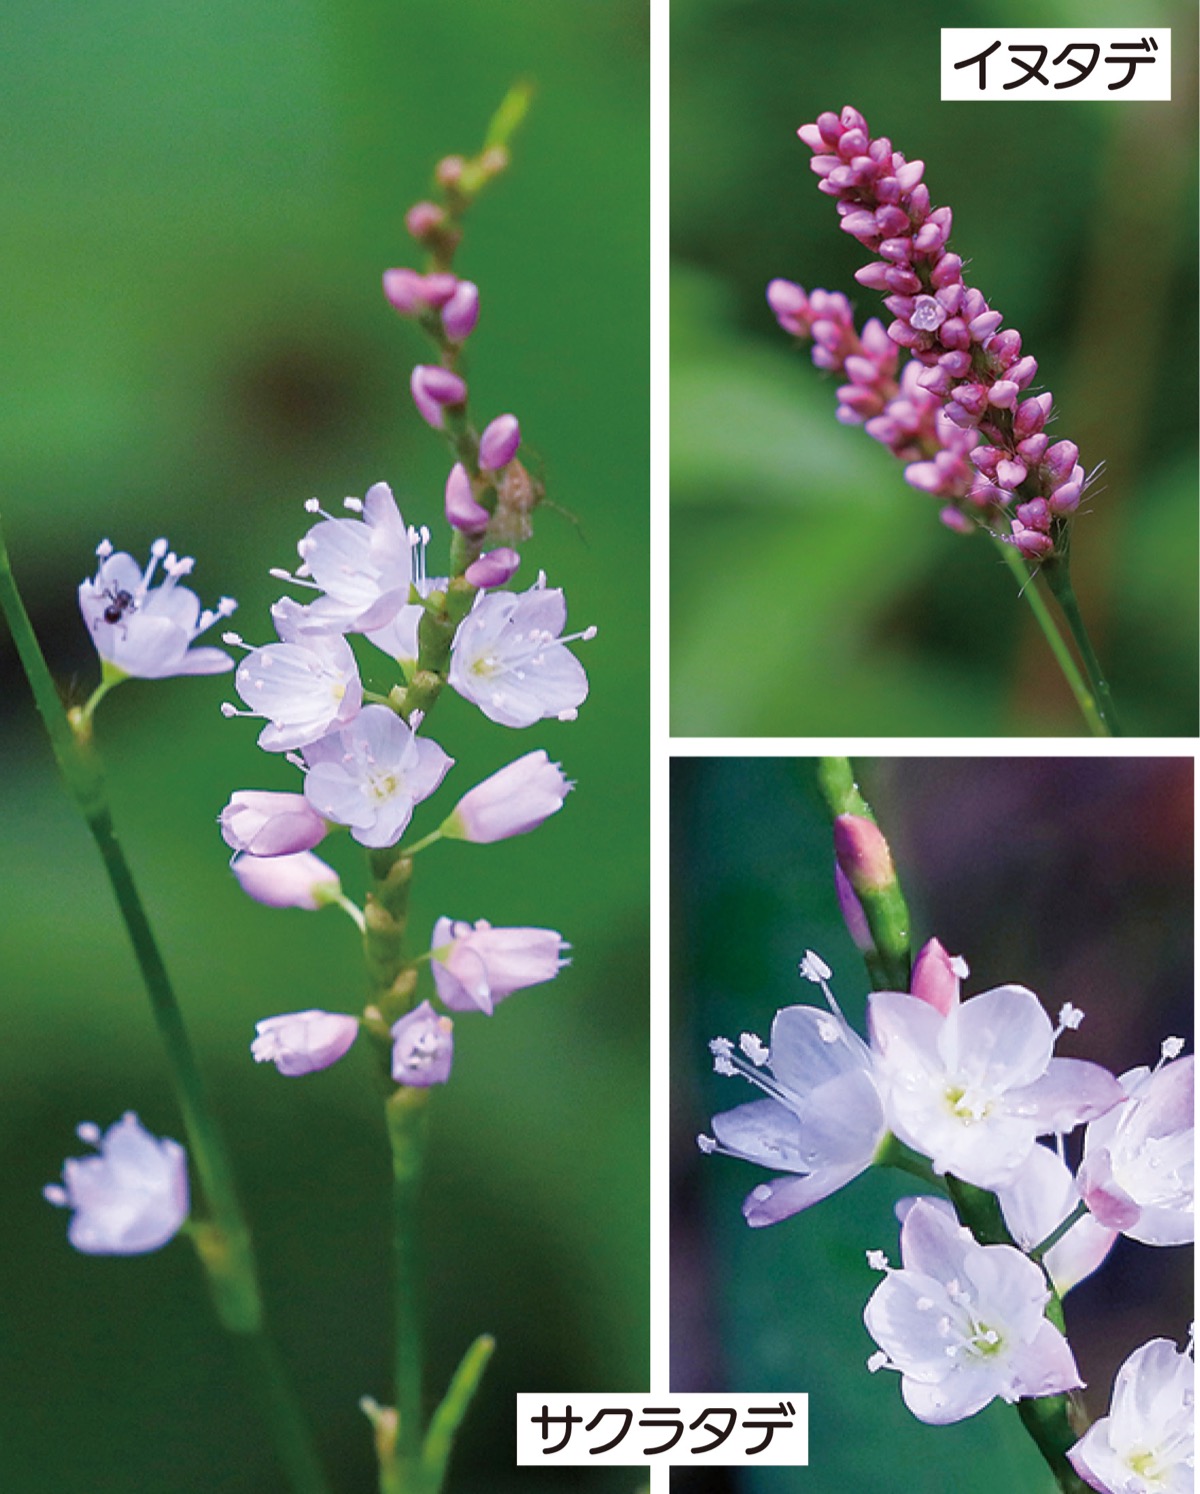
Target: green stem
x=892, y=1152
x=1040, y=1251
x=223, y=1243
x=1058, y=579
x=407, y=1122
x=1084, y=697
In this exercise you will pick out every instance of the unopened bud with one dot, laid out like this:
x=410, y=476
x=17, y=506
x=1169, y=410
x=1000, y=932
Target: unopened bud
x=862, y=853
x=852, y=912
x=494, y=568
x=936, y=977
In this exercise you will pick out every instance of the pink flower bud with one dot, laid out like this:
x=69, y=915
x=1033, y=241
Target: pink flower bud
x=1003, y=394
x=947, y=271
x=303, y=1042
x=1031, y=543
x=1009, y=474
x=494, y=568
x=461, y=311
x=862, y=853
x=462, y=511
x=271, y=824
x=954, y=518
x=852, y=912
x=440, y=288
x=1061, y=458
x=433, y=388
x=1065, y=500
x=1031, y=415
x=424, y=218
x=512, y=801
x=936, y=977
x=422, y=1048
x=499, y=443
x=301, y=880
x=405, y=290
x=873, y=276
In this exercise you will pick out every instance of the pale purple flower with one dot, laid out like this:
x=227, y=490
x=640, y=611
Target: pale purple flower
x=1147, y=1442
x=510, y=659
x=1138, y=1170
x=267, y=823
x=495, y=568
x=422, y=1047
x=499, y=443
x=146, y=631
x=373, y=774
x=305, y=686
x=363, y=566
x=514, y=800
x=303, y=1042
x=964, y=1323
x=131, y=1198
x=433, y=388
x=973, y=1089
x=823, y=1120
x=475, y=966
x=298, y=880
x=412, y=293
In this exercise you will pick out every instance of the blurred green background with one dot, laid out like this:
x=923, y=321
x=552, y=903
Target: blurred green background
x=1071, y=876
x=813, y=590
x=198, y=203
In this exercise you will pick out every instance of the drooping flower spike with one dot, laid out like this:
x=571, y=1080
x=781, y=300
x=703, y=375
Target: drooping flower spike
x=145, y=631
x=975, y=370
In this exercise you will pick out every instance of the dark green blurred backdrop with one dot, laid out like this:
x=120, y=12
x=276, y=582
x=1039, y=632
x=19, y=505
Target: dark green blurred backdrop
x=814, y=590
x=1073, y=877
x=197, y=205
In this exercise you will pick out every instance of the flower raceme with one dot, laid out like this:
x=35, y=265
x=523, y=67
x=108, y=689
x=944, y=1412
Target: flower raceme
x=147, y=631
x=975, y=372
x=963, y=1323
x=129, y=1199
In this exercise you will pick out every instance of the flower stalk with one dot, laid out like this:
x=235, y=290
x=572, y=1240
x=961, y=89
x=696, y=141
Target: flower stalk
x=223, y=1243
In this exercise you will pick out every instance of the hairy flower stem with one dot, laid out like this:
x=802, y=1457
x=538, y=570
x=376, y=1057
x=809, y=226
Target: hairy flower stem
x=222, y=1242
x=1096, y=706
x=889, y=963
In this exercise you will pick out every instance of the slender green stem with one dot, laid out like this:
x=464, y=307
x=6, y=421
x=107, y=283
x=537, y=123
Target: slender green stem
x=1084, y=697
x=446, y=1420
x=223, y=1243
x=1077, y=1213
x=426, y=840
x=892, y=1152
x=1058, y=579
x=407, y=1120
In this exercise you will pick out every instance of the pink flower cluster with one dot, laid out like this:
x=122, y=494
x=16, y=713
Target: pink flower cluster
x=907, y=418
x=973, y=368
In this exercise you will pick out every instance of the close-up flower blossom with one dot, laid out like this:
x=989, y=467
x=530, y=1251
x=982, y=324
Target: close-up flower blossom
x=147, y=631
x=974, y=1088
x=1147, y=1442
x=475, y=965
x=362, y=565
x=131, y=1197
x=964, y=1323
x=373, y=774
x=511, y=660
x=303, y=1042
x=422, y=1048
x=265, y=822
x=297, y=879
x=823, y=1119
x=1139, y=1160
x=305, y=686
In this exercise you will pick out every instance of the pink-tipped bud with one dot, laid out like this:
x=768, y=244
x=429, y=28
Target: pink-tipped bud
x=1031, y=542
x=1035, y=514
x=449, y=170
x=983, y=325
x=954, y=518
x=1009, y=474
x=494, y=568
x=1065, y=500
x=936, y=977
x=461, y=312
x=1003, y=394
x=462, y=511
x=1060, y=459
x=433, y=388
x=1031, y=416
x=1033, y=448
x=852, y=912
x=301, y=880
x=499, y=443
x=405, y=290
x=862, y=853
x=424, y=218
x=947, y=271
x=440, y=288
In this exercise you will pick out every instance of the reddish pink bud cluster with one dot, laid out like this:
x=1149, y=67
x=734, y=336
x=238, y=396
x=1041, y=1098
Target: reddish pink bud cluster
x=904, y=416
x=972, y=369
